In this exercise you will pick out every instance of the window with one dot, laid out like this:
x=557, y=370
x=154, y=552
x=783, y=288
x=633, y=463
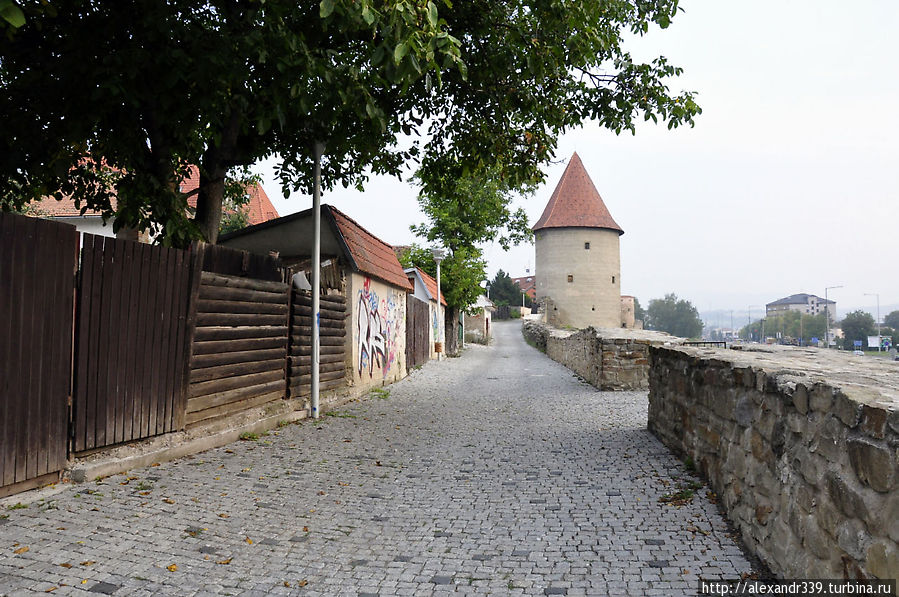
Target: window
x=570, y=278
x=613, y=279
x=587, y=246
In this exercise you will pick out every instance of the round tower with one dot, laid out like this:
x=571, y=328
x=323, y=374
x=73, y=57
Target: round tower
x=577, y=248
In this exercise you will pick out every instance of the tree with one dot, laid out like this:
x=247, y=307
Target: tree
x=892, y=319
x=152, y=87
x=639, y=313
x=857, y=326
x=504, y=291
x=677, y=317
x=461, y=273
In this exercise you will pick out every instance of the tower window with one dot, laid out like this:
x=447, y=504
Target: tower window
x=570, y=278
x=587, y=246
x=613, y=279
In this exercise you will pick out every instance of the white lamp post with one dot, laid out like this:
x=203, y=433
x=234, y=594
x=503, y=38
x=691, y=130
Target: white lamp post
x=827, y=317
x=439, y=255
x=878, y=317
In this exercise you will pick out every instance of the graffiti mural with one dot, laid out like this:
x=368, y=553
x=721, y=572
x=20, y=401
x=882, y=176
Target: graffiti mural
x=377, y=330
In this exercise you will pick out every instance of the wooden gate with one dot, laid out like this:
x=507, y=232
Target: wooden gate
x=332, y=349
x=38, y=260
x=130, y=354
x=418, y=325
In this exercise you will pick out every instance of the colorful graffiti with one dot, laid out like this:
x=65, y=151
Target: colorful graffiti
x=377, y=329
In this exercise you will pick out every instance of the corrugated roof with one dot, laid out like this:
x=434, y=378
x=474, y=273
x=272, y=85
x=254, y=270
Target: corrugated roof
x=576, y=202
x=430, y=284
x=370, y=254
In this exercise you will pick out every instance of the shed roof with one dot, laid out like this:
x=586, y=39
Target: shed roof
x=291, y=236
x=576, y=202
x=428, y=282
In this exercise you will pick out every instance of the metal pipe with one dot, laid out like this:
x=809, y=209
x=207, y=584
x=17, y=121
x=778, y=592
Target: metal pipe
x=319, y=149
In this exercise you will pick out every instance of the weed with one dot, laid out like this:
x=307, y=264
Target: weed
x=247, y=436
x=339, y=415
x=381, y=393
x=510, y=585
x=678, y=498
x=689, y=465
x=143, y=486
x=283, y=423
x=17, y=506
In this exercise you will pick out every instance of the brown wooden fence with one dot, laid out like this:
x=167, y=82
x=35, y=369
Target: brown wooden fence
x=418, y=324
x=239, y=348
x=38, y=260
x=130, y=350
x=332, y=350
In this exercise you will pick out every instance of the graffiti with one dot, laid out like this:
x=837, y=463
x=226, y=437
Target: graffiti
x=435, y=324
x=377, y=330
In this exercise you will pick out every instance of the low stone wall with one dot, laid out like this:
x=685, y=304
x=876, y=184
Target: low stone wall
x=607, y=359
x=803, y=458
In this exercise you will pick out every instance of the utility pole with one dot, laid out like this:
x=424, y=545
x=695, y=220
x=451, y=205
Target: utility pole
x=878, y=317
x=827, y=316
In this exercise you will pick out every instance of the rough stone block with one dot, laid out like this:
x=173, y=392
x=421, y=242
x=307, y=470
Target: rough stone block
x=816, y=539
x=874, y=421
x=883, y=560
x=874, y=465
x=743, y=411
x=821, y=398
x=761, y=450
x=853, y=538
x=847, y=499
x=800, y=399
x=846, y=409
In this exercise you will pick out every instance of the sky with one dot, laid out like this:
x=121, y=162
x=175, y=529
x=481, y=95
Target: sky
x=788, y=183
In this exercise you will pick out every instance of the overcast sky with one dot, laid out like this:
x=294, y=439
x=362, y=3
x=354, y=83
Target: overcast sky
x=788, y=182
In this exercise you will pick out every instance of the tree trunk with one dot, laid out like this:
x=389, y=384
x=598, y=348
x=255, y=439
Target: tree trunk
x=209, y=203
x=451, y=331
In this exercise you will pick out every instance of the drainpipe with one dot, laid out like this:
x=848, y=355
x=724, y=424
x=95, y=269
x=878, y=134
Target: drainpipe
x=316, y=271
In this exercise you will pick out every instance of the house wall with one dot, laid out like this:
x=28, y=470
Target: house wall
x=478, y=323
x=433, y=327
x=90, y=225
x=376, y=328
x=593, y=297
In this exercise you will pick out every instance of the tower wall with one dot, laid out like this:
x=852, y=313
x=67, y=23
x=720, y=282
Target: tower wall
x=593, y=296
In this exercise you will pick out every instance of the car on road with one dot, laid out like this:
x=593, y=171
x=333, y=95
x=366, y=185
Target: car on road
x=858, y=353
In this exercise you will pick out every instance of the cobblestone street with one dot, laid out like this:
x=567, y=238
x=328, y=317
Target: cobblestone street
x=497, y=473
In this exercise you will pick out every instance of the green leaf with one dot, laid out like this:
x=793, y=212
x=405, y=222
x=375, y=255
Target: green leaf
x=325, y=8
x=11, y=13
x=432, y=14
x=400, y=52
x=367, y=15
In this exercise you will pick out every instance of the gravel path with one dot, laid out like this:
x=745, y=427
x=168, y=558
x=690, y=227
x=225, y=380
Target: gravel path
x=497, y=473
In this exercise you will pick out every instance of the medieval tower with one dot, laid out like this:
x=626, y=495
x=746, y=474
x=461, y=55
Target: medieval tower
x=578, y=264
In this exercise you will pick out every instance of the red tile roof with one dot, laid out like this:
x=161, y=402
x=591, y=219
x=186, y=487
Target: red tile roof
x=431, y=285
x=576, y=202
x=371, y=255
x=528, y=285
x=260, y=207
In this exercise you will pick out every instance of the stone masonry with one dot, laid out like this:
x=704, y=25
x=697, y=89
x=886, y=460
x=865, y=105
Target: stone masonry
x=608, y=358
x=801, y=445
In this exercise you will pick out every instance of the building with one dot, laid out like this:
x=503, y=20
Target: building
x=479, y=319
x=577, y=248
x=426, y=291
x=808, y=304
x=528, y=285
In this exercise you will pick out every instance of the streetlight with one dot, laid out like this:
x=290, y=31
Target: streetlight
x=827, y=317
x=878, y=317
x=439, y=255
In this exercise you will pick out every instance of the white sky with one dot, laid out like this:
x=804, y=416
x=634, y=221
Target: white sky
x=788, y=183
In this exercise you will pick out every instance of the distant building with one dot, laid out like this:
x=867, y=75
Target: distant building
x=578, y=261
x=803, y=303
x=528, y=285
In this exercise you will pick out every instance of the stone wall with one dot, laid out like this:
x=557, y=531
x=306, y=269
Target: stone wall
x=607, y=359
x=805, y=466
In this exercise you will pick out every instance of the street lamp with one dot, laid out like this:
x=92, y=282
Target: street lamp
x=827, y=317
x=878, y=317
x=439, y=255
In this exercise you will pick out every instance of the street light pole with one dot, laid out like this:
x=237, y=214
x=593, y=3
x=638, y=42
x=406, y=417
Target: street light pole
x=878, y=317
x=438, y=255
x=827, y=316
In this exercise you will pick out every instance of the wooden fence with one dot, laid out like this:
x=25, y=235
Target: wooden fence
x=418, y=325
x=332, y=349
x=38, y=260
x=239, y=348
x=132, y=307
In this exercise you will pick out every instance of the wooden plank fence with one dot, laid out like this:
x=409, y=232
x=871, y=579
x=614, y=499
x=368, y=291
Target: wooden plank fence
x=38, y=260
x=130, y=349
x=418, y=325
x=239, y=347
x=332, y=350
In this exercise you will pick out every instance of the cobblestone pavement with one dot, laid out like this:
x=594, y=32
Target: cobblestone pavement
x=497, y=473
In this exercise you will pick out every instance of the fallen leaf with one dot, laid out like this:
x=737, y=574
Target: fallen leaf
x=249, y=541
x=60, y=528
x=145, y=493
x=244, y=470
x=223, y=515
x=171, y=567
x=228, y=561
x=303, y=583
x=88, y=563
x=321, y=493
x=217, y=479
x=155, y=464
x=168, y=501
x=378, y=463
x=286, y=584
x=21, y=550
x=347, y=441
x=66, y=565
x=305, y=529
x=84, y=582
x=51, y=589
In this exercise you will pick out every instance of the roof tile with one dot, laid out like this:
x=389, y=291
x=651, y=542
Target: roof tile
x=576, y=202
x=372, y=255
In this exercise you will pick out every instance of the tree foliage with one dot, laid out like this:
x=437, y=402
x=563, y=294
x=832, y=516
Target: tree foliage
x=505, y=291
x=789, y=324
x=461, y=273
x=639, y=312
x=857, y=326
x=152, y=87
x=677, y=317
x=892, y=319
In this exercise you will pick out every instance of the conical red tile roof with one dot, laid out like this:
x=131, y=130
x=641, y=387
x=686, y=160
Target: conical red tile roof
x=576, y=202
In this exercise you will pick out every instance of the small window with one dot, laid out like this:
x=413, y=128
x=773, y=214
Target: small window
x=570, y=278
x=613, y=279
x=587, y=246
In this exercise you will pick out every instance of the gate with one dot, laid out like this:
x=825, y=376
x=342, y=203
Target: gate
x=418, y=325
x=38, y=260
x=130, y=356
